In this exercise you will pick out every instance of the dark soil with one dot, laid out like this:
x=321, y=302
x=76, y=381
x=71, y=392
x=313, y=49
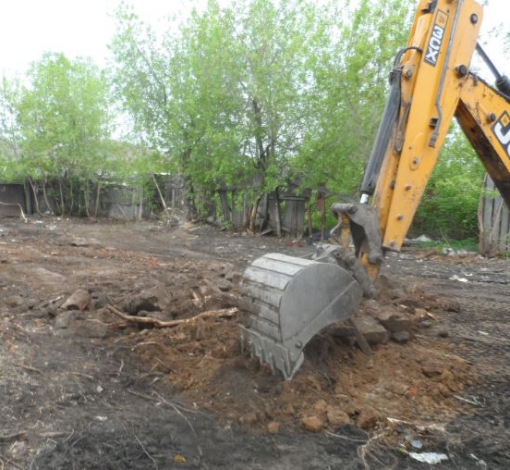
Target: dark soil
x=87, y=390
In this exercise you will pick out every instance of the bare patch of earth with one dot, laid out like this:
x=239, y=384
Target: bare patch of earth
x=84, y=389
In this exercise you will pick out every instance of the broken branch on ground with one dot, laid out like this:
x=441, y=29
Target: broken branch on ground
x=222, y=313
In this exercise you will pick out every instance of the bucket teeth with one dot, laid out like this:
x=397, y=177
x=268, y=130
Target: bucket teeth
x=286, y=301
x=269, y=352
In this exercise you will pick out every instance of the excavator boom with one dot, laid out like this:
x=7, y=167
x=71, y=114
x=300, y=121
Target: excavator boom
x=429, y=81
x=288, y=300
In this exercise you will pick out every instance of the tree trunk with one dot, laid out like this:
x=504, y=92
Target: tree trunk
x=158, y=189
x=86, y=196
x=98, y=199
x=323, y=220
x=225, y=206
x=253, y=215
x=33, y=187
x=278, y=220
x=27, y=191
x=310, y=222
x=46, y=198
x=62, y=203
x=190, y=206
x=72, y=196
x=321, y=206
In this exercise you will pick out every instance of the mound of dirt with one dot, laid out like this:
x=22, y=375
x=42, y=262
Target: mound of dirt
x=202, y=360
x=79, y=380
x=204, y=363
x=417, y=381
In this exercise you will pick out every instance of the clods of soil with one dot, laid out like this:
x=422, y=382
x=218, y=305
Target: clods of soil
x=83, y=387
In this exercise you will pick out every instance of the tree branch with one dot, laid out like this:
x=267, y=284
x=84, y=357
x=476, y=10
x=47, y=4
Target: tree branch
x=223, y=313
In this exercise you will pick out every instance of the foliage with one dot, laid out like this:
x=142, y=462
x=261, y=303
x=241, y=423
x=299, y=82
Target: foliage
x=351, y=77
x=450, y=204
x=10, y=95
x=244, y=95
x=220, y=95
x=63, y=117
x=55, y=129
x=261, y=89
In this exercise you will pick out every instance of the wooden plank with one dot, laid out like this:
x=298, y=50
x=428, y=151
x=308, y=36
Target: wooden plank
x=287, y=217
x=278, y=220
x=225, y=208
x=504, y=229
x=292, y=218
x=300, y=218
x=271, y=212
x=488, y=209
x=495, y=236
x=486, y=216
x=494, y=219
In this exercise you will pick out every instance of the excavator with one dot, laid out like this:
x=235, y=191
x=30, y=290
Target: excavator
x=288, y=300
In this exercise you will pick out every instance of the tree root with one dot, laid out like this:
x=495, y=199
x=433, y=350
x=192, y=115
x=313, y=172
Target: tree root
x=223, y=313
x=21, y=213
x=12, y=437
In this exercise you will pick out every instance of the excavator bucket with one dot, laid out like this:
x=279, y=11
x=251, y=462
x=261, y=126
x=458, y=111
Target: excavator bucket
x=286, y=301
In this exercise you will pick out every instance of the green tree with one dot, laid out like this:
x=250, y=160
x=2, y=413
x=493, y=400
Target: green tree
x=10, y=133
x=351, y=75
x=153, y=81
x=224, y=95
x=266, y=90
x=450, y=204
x=63, y=117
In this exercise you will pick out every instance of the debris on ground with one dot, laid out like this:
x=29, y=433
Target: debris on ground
x=110, y=347
x=431, y=458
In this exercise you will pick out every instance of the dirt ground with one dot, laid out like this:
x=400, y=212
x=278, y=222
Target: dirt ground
x=86, y=389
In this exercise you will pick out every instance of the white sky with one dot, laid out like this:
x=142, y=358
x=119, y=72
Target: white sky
x=85, y=27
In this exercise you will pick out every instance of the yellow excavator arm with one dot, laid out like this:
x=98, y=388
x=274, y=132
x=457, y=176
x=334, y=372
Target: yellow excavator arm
x=428, y=85
x=288, y=300
x=431, y=84
x=484, y=115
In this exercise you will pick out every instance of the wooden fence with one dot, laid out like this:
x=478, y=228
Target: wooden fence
x=173, y=191
x=493, y=221
x=288, y=217
x=128, y=202
x=122, y=203
x=282, y=213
